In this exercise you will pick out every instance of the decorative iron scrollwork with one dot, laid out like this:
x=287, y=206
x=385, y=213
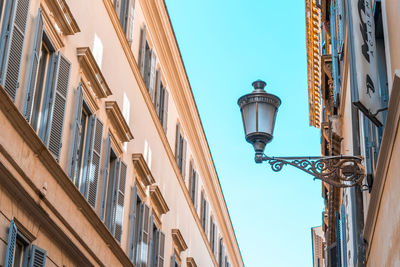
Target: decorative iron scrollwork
x=339, y=171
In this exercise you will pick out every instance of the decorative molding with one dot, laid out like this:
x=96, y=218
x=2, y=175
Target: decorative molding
x=115, y=143
x=63, y=16
x=157, y=203
x=89, y=96
x=118, y=121
x=390, y=133
x=178, y=242
x=50, y=29
x=94, y=79
x=190, y=262
x=143, y=170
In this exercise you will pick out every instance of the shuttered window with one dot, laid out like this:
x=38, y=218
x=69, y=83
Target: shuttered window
x=132, y=222
x=204, y=211
x=212, y=234
x=125, y=10
x=221, y=253
x=193, y=181
x=335, y=57
x=343, y=237
x=37, y=257
x=12, y=44
x=161, y=245
x=180, y=150
x=145, y=237
x=161, y=101
x=12, y=237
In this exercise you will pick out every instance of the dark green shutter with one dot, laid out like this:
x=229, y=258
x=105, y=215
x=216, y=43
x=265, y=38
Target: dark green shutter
x=12, y=237
x=132, y=222
x=34, y=66
x=12, y=44
x=58, y=103
x=105, y=177
x=76, y=139
x=142, y=51
x=165, y=110
x=120, y=194
x=37, y=257
x=94, y=162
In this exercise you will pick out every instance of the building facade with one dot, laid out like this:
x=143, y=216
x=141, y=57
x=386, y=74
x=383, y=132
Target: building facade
x=353, y=83
x=103, y=158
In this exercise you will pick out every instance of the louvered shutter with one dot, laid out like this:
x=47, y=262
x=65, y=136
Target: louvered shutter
x=173, y=260
x=151, y=237
x=37, y=257
x=206, y=216
x=106, y=175
x=142, y=51
x=221, y=253
x=368, y=151
x=112, y=197
x=12, y=237
x=12, y=44
x=123, y=16
x=338, y=241
x=165, y=110
x=132, y=223
x=139, y=232
x=343, y=237
x=152, y=78
x=190, y=176
x=145, y=236
x=76, y=138
x=34, y=66
x=119, y=212
x=335, y=59
x=58, y=103
x=196, y=185
x=161, y=244
x=130, y=20
x=157, y=93
x=340, y=22
x=202, y=209
x=183, y=169
x=177, y=143
x=117, y=7
x=94, y=162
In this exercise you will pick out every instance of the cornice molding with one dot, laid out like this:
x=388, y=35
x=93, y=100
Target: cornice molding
x=390, y=133
x=190, y=262
x=143, y=170
x=94, y=78
x=178, y=242
x=118, y=121
x=49, y=28
x=157, y=203
x=49, y=162
x=63, y=16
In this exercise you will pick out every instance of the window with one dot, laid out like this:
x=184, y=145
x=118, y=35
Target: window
x=125, y=10
x=12, y=43
x=180, y=150
x=114, y=192
x=47, y=90
x=193, y=177
x=161, y=101
x=174, y=262
x=203, y=211
x=86, y=149
x=212, y=234
x=221, y=253
x=20, y=252
x=156, y=253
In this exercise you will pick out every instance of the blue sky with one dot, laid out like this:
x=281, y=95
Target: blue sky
x=226, y=45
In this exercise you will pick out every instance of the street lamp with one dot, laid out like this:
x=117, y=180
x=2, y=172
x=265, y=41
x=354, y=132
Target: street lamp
x=259, y=111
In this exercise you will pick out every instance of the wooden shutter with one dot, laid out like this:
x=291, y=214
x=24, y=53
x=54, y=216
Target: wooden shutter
x=12, y=44
x=130, y=21
x=338, y=239
x=183, y=169
x=157, y=93
x=12, y=237
x=196, y=183
x=139, y=233
x=206, y=216
x=37, y=44
x=152, y=78
x=165, y=110
x=173, y=260
x=132, y=222
x=120, y=194
x=340, y=23
x=177, y=143
x=335, y=59
x=76, y=138
x=145, y=236
x=58, y=103
x=106, y=175
x=150, y=246
x=202, y=209
x=161, y=244
x=117, y=7
x=94, y=162
x=123, y=14
x=37, y=257
x=142, y=50
x=343, y=235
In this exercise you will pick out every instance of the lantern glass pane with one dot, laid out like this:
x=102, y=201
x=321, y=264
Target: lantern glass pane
x=266, y=117
x=249, y=118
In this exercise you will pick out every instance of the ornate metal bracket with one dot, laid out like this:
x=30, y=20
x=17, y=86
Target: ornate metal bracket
x=338, y=171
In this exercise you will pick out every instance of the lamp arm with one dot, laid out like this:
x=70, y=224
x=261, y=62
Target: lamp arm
x=338, y=171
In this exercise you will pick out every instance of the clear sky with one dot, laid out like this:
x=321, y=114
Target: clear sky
x=226, y=45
